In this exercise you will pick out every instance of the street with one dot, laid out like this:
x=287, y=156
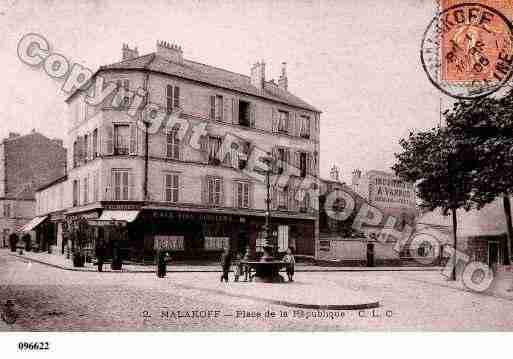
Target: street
x=51, y=299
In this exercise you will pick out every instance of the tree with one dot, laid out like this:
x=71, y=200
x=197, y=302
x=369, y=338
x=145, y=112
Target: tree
x=487, y=126
x=435, y=161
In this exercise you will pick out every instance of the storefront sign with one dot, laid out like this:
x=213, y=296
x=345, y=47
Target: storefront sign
x=174, y=243
x=387, y=190
x=193, y=216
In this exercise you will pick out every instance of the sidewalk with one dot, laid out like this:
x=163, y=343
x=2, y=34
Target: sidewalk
x=59, y=261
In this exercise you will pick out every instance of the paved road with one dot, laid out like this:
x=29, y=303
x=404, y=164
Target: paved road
x=52, y=299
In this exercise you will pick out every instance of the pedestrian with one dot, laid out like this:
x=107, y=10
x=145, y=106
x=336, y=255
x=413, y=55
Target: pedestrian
x=239, y=267
x=246, y=268
x=100, y=254
x=289, y=259
x=226, y=262
x=161, y=264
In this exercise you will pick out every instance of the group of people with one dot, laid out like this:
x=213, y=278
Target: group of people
x=242, y=269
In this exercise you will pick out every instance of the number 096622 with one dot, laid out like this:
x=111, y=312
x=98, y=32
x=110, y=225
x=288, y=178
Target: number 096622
x=33, y=346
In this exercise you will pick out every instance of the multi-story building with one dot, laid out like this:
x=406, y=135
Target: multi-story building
x=186, y=186
x=26, y=162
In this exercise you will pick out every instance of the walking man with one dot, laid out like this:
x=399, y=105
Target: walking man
x=226, y=261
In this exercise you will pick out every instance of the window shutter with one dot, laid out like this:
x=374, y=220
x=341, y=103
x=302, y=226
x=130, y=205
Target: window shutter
x=133, y=139
x=309, y=163
x=274, y=165
x=176, y=186
x=275, y=121
x=274, y=198
x=235, y=111
x=235, y=190
x=131, y=186
x=204, y=189
x=312, y=127
x=212, y=108
x=109, y=139
x=297, y=159
x=227, y=113
x=176, y=97
x=222, y=196
x=252, y=115
x=290, y=123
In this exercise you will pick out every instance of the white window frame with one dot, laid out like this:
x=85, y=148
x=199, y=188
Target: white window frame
x=304, y=126
x=214, y=190
x=124, y=191
x=283, y=121
x=171, y=187
x=172, y=145
x=242, y=197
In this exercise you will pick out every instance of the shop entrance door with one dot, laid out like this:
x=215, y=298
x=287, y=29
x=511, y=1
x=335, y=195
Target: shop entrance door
x=493, y=254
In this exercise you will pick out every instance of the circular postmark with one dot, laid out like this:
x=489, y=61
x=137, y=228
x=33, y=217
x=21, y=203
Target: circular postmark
x=467, y=50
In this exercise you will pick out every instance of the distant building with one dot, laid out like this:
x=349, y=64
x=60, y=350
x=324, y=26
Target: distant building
x=26, y=162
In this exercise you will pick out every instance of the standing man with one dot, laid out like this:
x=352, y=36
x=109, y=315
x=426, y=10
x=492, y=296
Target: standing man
x=100, y=254
x=226, y=261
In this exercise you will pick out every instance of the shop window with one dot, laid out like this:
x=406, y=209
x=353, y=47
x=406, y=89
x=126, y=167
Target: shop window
x=216, y=243
x=121, y=139
x=244, y=113
x=242, y=194
x=171, y=243
x=171, y=188
x=172, y=145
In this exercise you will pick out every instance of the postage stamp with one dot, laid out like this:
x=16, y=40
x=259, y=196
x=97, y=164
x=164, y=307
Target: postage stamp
x=467, y=49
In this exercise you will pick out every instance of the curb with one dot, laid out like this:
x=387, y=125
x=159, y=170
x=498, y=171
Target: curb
x=360, y=306
x=364, y=269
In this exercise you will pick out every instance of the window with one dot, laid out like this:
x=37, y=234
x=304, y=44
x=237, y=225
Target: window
x=304, y=126
x=214, y=190
x=7, y=210
x=214, y=146
x=120, y=184
x=216, y=243
x=172, y=97
x=85, y=195
x=283, y=121
x=95, y=143
x=242, y=194
x=283, y=198
x=281, y=160
x=171, y=188
x=75, y=154
x=96, y=179
x=76, y=192
x=121, y=139
x=244, y=114
x=305, y=202
x=86, y=148
x=219, y=108
x=302, y=164
x=172, y=145
x=172, y=243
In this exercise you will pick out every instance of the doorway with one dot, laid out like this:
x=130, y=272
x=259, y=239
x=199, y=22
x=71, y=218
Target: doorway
x=370, y=254
x=493, y=254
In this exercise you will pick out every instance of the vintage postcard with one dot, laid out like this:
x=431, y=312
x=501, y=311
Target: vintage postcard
x=255, y=166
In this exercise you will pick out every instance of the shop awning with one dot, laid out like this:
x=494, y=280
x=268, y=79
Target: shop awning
x=120, y=216
x=34, y=222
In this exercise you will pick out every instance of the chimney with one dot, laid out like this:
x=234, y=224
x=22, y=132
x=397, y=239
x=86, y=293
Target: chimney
x=170, y=52
x=14, y=134
x=283, y=81
x=127, y=53
x=258, y=75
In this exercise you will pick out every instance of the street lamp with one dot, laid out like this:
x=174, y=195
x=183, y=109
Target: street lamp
x=269, y=245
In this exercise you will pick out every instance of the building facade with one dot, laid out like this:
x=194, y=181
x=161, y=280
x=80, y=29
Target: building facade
x=181, y=175
x=26, y=162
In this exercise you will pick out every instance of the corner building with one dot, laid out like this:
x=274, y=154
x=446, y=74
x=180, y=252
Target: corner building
x=193, y=201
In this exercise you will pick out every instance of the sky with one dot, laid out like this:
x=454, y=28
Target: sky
x=357, y=61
